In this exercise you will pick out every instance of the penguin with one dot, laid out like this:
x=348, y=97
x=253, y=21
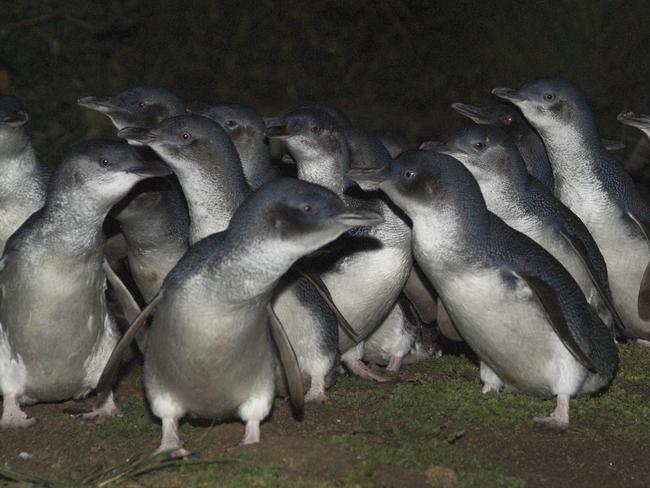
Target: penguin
x=209, y=353
x=596, y=187
x=142, y=106
x=208, y=168
x=528, y=142
x=153, y=218
x=154, y=221
x=514, y=304
x=56, y=332
x=527, y=206
x=367, y=271
x=247, y=130
x=23, y=183
x=641, y=122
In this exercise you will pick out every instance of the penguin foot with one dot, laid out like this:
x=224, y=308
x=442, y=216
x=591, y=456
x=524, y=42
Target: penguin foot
x=316, y=393
x=12, y=415
x=108, y=409
x=360, y=369
x=643, y=343
x=559, y=418
x=252, y=433
x=489, y=387
x=171, y=442
x=394, y=364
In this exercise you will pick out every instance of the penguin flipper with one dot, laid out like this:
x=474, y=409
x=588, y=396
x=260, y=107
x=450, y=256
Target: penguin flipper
x=112, y=365
x=551, y=305
x=643, y=300
x=420, y=297
x=581, y=251
x=289, y=361
x=127, y=302
x=321, y=288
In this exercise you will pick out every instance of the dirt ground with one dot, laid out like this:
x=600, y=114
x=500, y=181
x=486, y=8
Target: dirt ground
x=431, y=427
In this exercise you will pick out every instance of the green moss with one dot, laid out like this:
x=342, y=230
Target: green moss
x=134, y=420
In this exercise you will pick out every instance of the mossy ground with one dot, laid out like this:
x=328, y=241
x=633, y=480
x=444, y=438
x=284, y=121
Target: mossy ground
x=365, y=435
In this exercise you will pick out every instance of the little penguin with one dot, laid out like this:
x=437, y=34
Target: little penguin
x=153, y=218
x=528, y=142
x=154, y=221
x=527, y=206
x=208, y=168
x=23, y=182
x=56, y=332
x=596, y=187
x=639, y=121
x=248, y=132
x=367, y=271
x=209, y=352
x=142, y=106
x=514, y=304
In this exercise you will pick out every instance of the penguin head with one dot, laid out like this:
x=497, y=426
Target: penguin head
x=242, y=124
x=639, y=121
x=297, y=216
x=420, y=182
x=308, y=133
x=548, y=104
x=144, y=106
x=501, y=115
x=104, y=170
x=185, y=139
x=487, y=152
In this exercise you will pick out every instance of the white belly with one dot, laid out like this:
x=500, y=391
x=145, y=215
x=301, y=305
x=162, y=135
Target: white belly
x=508, y=330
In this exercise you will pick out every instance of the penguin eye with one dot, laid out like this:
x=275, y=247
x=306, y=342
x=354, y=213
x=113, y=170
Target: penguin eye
x=230, y=123
x=549, y=96
x=308, y=209
x=507, y=120
x=104, y=163
x=140, y=104
x=185, y=135
x=407, y=173
x=478, y=145
x=315, y=129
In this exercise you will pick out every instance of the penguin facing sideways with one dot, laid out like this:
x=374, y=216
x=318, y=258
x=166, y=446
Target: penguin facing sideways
x=153, y=218
x=248, y=132
x=56, y=332
x=528, y=142
x=526, y=205
x=596, y=187
x=209, y=353
x=207, y=165
x=512, y=302
x=367, y=271
x=23, y=180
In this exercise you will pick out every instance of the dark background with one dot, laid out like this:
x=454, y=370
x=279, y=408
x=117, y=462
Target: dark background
x=390, y=64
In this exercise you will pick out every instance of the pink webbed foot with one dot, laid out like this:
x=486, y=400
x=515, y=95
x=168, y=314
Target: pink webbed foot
x=316, y=393
x=171, y=442
x=108, y=409
x=394, y=364
x=559, y=418
x=13, y=416
x=360, y=369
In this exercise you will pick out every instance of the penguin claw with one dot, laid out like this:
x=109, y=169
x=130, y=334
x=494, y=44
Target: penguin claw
x=174, y=452
x=550, y=423
x=315, y=397
x=14, y=422
x=489, y=387
x=360, y=369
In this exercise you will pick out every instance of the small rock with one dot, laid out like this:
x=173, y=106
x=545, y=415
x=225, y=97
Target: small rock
x=24, y=456
x=441, y=477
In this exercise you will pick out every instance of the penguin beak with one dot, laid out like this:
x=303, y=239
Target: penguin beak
x=368, y=179
x=138, y=135
x=278, y=132
x=356, y=218
x=431, y=145
x=509, y=94
x=449, y=150
x=150, y=170
x=16, y=119
x=474, y=113
x=103, y=105
x=633, y=120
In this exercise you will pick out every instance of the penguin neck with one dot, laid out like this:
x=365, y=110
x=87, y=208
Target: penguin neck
x=327, y=169
x=213, y=193
x=255, y=160
x=155, y=229
x=18, y=158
